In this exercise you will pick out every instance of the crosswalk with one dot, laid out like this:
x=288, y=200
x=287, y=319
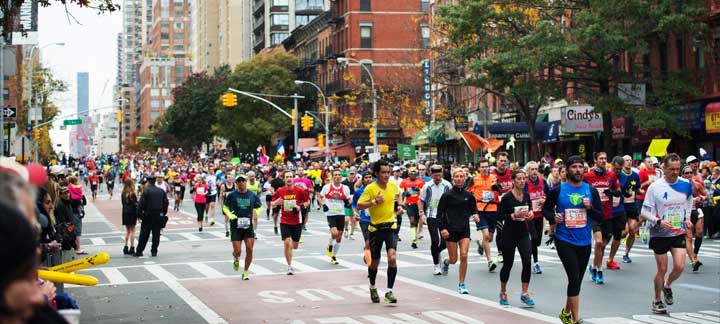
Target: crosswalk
x=702, y=317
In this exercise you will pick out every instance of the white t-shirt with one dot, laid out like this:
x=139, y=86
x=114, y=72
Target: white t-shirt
x=436, y=192
x=671, y=202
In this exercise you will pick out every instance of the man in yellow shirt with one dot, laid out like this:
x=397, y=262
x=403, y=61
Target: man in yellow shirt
x=379, y=198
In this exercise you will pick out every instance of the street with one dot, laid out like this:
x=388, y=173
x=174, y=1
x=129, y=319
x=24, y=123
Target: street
x=192, y=281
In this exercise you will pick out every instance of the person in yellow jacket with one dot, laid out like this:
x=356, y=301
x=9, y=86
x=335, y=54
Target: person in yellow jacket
x=486, y=190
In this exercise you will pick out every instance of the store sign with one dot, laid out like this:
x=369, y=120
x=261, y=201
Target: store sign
x=618, y=128
x=581, y=119
x=427, y=86
x=27, y=19
x=461, y=123
x=518, y=135
x=712, y=117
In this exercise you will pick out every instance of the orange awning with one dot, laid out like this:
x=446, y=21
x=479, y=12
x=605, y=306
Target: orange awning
x=474, y=141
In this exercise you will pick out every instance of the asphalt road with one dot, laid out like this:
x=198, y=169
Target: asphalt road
x=192, y=281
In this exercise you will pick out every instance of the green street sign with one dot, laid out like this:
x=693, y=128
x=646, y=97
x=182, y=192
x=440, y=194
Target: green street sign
x=406, y=152
x=332, y=141
x=381, y=134
x=72, y=121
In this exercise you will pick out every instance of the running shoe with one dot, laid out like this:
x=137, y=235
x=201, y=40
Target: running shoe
x=275, y=229
x=328, y=250
x=227, y=233
x=600, y=279
x=612, y=265
x=301, y=240
x=593, y=273
x=481, y=251
x=351, y=237
x=374, y=295
x=414, y=244
x=462, y=290
x=696, y=265
x=659, y=308
x=212, y=222
x=236, y=265
x=206, y=219
x=491, y=266
x=626, y=259
x=445, y=268
x=290, y=271
x=245, y=276
x=527, y=300
x=503, y=299
x=668, y=296
x=437, y=270
x=565, y=317
x=304, y=229
x=420, y=236
x=200, y=229
x=500, y=258
x=390, y=297
x=333, y=260
x=345, y=233
x=537, y=269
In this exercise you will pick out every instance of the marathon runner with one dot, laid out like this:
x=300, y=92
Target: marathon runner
x=333, y=198
x=225, y=190
x=211, y=180
x=240, y=208
x=94, y=183
x=569, y=205
x=304, y=183
x=630, y=185
x=377, y=197
x=516, y=209
x=277, y=183
x=363, y=216
x=537, y=189
x=504, y=179
x=110, y=176
x=411, y=192
x=200, y=199
x=428, y=206
x=454, y=210
x=667, y=206
x=266, y=196
x=351, y=181
x=486, y=191
x=290, y=199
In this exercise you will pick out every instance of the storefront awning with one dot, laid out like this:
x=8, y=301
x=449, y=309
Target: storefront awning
x=505, y=130
x=430, y=134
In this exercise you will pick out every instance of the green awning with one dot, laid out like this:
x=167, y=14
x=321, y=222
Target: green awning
x=430, y=134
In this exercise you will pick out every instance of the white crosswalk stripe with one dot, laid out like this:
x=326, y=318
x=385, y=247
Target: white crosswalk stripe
x=702, y=317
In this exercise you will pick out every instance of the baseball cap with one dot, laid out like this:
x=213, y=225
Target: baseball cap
x=654, y=160
x=691, y=159
x=240, y=177
x=396, y=168
x=412, y=169
x=421, y=166
x=558, y=161
x=435, y=168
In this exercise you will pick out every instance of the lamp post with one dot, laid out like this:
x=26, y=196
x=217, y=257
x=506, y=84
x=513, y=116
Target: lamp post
x=120, y=126
x=32, y=116
x=327, y=116
x=342, y=60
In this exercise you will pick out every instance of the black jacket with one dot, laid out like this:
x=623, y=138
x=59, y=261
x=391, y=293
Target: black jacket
x=153, y=201
x=130, y=205
x=455, y=208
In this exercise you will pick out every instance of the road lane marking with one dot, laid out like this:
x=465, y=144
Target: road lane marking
x=114, y=276
x=654, y=319
x=97, y=241
x=689, y=318
x=699, y=287
x=612, y=320
x=206, y=270
x=189, y=236
x=258, y=270
x=297, y=265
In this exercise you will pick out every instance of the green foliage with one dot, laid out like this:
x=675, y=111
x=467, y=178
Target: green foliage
x=253, y=122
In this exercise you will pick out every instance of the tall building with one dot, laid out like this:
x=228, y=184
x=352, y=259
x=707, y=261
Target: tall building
x=205, y=34
x=166, y=63
x=136, y=23
x=235, y=32
x=274, y=19
x=80, y=140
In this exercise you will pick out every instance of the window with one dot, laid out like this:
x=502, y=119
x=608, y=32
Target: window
x=424, y=35
x=167, y=103
x=6, y=94
x=154, y=103
x=179, y=70
x=277, y=38
x=164, y=35
x=280, y=2
x=680, y=45
x=365, y=36
x=179, y=13
x=179, y=80
x=178, y=48
x=699, y=58
x=154, y=114
x=663, y=52
x=179, y=25
x=303, y=19
x=424, y=5
x=364, y=76
x=309, y=5
x=179, y=36
x=154, y=92
x=166, y=92
x=164, y=25
x=280, y=20
x=364, y=5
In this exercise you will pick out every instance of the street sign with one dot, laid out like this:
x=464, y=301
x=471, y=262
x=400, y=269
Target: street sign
x=10, y=112
x=72, y=121
x=381, y=134
x=28, y=128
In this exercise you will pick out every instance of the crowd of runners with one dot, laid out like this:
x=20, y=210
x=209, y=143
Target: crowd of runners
x=576, y=206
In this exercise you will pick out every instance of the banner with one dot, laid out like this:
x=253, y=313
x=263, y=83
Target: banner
x=712, y=118
x=406, y=152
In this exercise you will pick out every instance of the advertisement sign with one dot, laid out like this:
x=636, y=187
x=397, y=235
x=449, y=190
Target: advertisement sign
x=581, y=119
x=406, y=152
x=712, y=117
x=427, y=86
x=552, y=135
x=618, y=128
x=26, y=26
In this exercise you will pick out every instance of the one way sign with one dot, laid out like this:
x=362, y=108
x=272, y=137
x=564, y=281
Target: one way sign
x=10, y=112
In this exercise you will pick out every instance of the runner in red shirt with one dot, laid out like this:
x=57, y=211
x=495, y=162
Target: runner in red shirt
x=94, y=183
x=411, y=191
x=504, y=179
x=289, y=199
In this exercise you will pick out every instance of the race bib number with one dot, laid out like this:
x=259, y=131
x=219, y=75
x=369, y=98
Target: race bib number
x=675, y=217
x=519, y=209
x=630, y=199
x=318, y=181
x=201, y=191
x=335, y=207
x=487, y=196
x=243, y=223
x=289, y=205
x=575, y=218
x=603, y=196
x=536, y=206
x=434, y=203
x=94, y=183
x=177, y=188
x=616, y=201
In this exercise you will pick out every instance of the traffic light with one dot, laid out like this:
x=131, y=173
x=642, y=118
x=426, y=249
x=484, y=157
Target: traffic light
x=321, y=141
x=372, y=135
x=307, y=123
x=292, y=112
x=118, y=117
x=36, y=133
x=229, y=100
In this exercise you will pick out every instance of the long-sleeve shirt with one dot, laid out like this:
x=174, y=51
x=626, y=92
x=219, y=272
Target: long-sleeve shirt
x=153, y=200
x=455, y=208
x=514, y=228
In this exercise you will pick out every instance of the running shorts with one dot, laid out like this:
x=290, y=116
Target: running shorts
x=457, y=236
x=211, y=198
x=487, y=220
x=364, y=229
x=291, y=231
x=380, y=237
x=337, y=221
x=239, y=234
x=661, y=245
x=611, y=227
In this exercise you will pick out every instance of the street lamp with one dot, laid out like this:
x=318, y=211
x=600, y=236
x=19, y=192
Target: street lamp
x=343, y=60
x=120, y=119
x=32, y=117
x=327, y=116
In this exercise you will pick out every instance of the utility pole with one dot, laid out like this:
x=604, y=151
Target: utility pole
x=2, y=98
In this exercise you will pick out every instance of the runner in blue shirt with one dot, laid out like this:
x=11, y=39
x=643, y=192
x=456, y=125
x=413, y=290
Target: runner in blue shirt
x=363, y=215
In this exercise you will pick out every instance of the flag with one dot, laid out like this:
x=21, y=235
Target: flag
x=281, y=149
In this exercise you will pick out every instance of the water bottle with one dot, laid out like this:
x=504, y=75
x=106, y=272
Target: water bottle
x=644, y=233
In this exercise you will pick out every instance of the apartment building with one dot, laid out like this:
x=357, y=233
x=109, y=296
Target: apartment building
x=273, y=20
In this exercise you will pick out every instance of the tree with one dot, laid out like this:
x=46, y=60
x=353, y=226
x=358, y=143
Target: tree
x=253, y=122
x=192, y=115
x=495, y=40
x=44, y=85
x=9, y=19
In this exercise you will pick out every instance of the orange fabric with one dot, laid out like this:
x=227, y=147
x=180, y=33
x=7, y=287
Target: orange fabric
x=485, y=183
x=413, y=188
x=474, y=141
x=494, y=144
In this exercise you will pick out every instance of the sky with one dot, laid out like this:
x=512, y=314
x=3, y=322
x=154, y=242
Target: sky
x=90, y=46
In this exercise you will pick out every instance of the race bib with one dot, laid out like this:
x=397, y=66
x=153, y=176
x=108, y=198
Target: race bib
x=519, y=209
x=434, y=203
x=177, y=188
x=243, y=223
x=575, y=218
x=201, y=191
x=94, y=183
x=615, y=201
x=289, y=205
x=675, y=217
x=630, y=199
x=487, y=196
x=603, y=196
x=536, y=206
x=335, y=207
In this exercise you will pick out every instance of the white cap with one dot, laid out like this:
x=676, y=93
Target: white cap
x=654, y=160
x=691, y=159
x=396, y=168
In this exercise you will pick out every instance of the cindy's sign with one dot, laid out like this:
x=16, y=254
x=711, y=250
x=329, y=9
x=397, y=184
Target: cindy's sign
x=581, y=119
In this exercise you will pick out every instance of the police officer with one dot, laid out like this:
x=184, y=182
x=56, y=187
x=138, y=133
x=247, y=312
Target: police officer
x=152, y=208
